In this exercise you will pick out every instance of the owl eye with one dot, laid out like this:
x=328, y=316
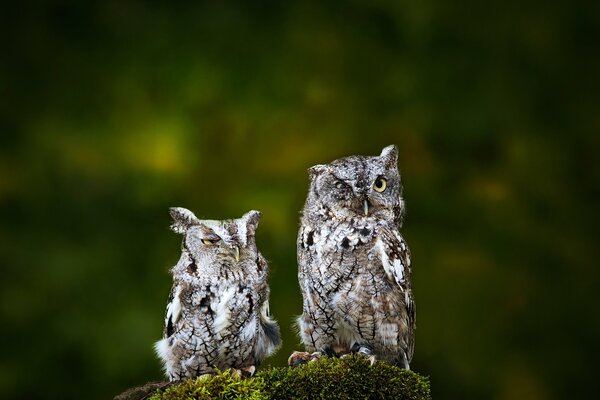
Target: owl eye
x=380, y=184
x=209, y=242
x=339, y=184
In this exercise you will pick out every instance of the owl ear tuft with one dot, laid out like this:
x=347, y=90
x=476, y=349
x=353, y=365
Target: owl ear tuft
x=390, y=155
x=315, y=170
x=182, y=219
x=251, y=219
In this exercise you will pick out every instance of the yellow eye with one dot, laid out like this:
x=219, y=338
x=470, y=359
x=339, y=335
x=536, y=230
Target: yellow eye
x=208, y=242
x=380, y=184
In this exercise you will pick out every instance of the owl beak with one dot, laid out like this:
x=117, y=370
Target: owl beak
x=236, y=253
x=366, y=207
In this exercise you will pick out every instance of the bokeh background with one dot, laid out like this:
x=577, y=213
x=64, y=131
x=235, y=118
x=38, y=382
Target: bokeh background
x=112, y=112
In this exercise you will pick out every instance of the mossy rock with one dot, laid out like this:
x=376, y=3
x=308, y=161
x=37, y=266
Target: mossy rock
x=329, y=378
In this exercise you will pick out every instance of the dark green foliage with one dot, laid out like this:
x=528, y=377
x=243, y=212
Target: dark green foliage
x=348, y=378
x=224, y=386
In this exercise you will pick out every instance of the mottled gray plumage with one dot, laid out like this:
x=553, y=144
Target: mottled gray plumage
x=218, y=311
x=354, y=266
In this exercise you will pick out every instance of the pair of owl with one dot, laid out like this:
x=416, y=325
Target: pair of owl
x=354, y=275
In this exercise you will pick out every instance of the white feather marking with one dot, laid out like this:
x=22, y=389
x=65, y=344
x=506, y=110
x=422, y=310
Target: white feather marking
x=174, y=311
x=211, y=223
x=242, y=231
x=222, y=311
x=163, y=350
x=384, y=260
x=336, y=299
x=190, y=362
x=249, y=330
x=264, y=312
x=399, y=270
x=389, y=334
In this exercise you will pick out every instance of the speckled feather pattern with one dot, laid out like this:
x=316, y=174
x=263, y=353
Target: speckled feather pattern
x=354, y=269
x=217, y=315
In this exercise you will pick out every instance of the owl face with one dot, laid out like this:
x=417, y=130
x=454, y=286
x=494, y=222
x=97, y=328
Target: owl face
x=214, y=244
x=359, y=186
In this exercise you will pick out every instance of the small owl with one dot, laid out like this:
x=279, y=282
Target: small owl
x=354, y=266
x=218, y=311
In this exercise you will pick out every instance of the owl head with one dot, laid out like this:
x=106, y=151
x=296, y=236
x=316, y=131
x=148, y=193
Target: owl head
x=210, y=245
x=359, y=186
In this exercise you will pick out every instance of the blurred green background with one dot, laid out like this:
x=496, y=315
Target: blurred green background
x=112, y=112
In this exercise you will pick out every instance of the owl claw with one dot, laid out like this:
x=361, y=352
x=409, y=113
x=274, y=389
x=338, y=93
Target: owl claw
x=246, y=372
x=371, y=358
x=365, y=351
x=301, y=357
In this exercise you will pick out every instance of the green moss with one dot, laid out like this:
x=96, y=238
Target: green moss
x=221, y=386
x=329, y=378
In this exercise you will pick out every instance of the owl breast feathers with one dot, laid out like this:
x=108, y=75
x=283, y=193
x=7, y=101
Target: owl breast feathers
x=217, y=315
x=354, y=266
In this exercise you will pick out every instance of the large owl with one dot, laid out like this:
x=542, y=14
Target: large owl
x=354, y=266
x=218, y=311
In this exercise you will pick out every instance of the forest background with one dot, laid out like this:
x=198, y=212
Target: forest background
x=113, y=111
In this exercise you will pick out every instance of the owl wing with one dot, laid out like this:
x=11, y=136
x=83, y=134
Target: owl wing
x=395, y=259
x=173, y=312
x=269, y=326
x=270, y=330
x=269, y=338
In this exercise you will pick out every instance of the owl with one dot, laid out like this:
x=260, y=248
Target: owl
x=354, y=265
x=218, y=311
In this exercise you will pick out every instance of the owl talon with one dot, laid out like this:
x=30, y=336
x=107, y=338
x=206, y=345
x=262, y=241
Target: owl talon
x=297, y=358
x=365, y=351
x=301, y=357
x=248, y=372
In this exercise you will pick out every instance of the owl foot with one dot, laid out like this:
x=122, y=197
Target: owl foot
x=246, y=372
x=364, y=351
x=302, y=357
x=371, y=358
